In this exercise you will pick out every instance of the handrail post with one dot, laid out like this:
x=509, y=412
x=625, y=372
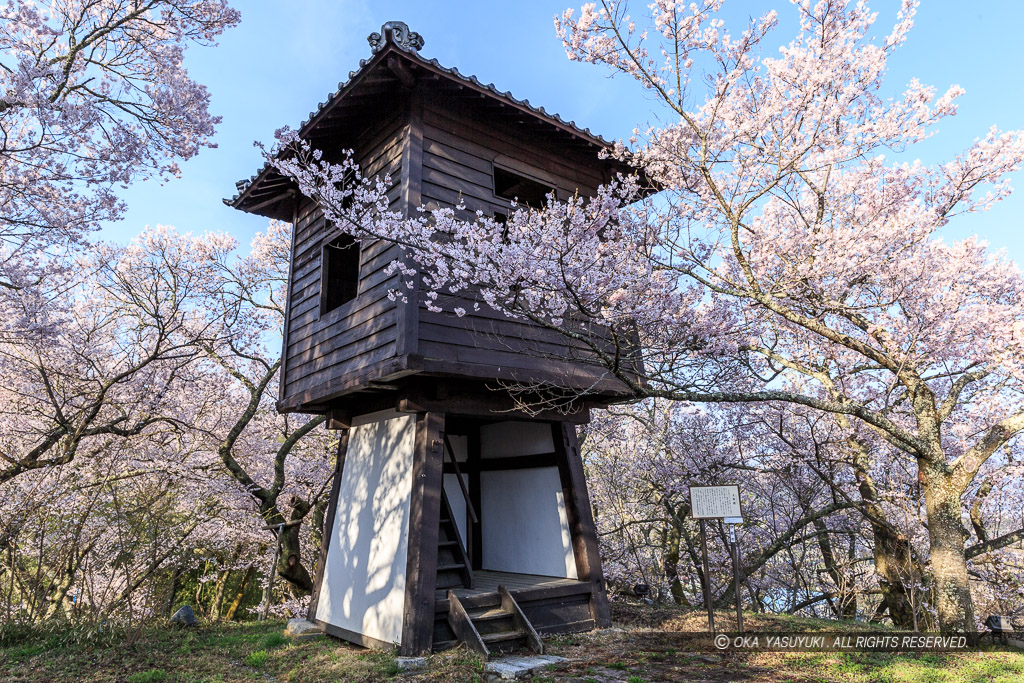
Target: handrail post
x=462, y=484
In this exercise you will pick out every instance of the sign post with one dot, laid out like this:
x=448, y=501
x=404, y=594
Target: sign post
x=736, y=571
x=718, y=502
x=707, y=576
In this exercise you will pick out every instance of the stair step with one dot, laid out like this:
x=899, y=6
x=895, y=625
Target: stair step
x=450, y=566
x=502, y=636
x=476, y=601
x=444, y=644
x=490, y=613
x=448, y=581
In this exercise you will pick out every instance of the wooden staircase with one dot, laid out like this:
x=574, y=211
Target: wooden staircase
x=485, y=622
x=453, y=565
x=492, y=622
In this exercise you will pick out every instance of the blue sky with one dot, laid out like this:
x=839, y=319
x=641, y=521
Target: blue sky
x=285, y=57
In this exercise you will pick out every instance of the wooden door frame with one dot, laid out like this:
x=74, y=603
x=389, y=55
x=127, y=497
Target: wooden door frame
x=424, y=520
x=581, y=519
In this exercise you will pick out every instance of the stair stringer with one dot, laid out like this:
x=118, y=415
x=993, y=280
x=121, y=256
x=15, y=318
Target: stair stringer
x=463, y=626
x=509, y=604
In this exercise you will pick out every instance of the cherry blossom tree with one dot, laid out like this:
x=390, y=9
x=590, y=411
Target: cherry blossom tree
x=278, y=463
x=793, y=252
x=640, y=462
x=94, y=437
x=141, y=448
x=95, y=96
x=108, y=348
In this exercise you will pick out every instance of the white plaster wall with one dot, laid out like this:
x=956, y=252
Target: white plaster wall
x=460, y=446
x=524, y=527
x=457, y=501
x=363, y=588
x=505, y=439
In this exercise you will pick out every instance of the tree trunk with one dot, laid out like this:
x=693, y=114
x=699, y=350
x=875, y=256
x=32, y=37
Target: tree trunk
x=218, y=594
x=671, y=564
x=240, y=594
x=949, y=564
x=173, y=593
x=891, y=550
x=289, y=566
x=843, y=605
x=894, y=563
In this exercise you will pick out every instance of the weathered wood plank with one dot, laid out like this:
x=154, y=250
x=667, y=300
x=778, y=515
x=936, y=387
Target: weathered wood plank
x=574, y=377
x=376, y=296
x=314, y=398
x=509, y=604
x=488, y=140
x=441, y=144
x=353, y=370
x=506, y=359
x=467, y=186
x=463, y=626
x=520, y=338
x=379, y=307
x=581, y=520
x=424, y=517
x=439, y=195
x=342, y=345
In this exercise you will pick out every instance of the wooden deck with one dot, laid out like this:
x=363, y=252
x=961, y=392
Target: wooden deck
x=485, y=581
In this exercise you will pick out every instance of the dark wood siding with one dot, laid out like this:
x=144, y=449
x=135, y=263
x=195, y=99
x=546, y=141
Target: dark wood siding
x=361, y=333
x=440, y=146
x=461, y=146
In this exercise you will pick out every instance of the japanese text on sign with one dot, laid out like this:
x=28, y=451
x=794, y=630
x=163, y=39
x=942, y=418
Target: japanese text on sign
x=713, y=502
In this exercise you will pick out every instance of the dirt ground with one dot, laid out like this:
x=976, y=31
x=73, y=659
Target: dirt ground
x=645, y=644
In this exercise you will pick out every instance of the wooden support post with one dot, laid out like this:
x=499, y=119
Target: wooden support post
x=328, y=530
x=424, y=519
x=707, y=577
x=473, y=457
x=581, y=520
x=407, y=327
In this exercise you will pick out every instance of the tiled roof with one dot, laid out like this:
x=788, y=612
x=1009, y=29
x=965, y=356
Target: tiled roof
x=390, y=45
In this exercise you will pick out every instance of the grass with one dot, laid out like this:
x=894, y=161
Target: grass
x=151, y=676
x=223, y=653
x=256, y=659
x=642, y=650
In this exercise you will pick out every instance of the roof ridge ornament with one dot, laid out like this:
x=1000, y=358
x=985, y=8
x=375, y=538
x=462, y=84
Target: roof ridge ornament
x=398, y=33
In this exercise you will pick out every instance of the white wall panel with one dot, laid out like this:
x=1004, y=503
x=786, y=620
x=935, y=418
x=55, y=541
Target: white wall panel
x=524, y=526
x=363, y=588
x=457, y=501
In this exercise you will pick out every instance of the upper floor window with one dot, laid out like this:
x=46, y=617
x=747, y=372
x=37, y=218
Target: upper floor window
x=339, y=275
x=511, y=185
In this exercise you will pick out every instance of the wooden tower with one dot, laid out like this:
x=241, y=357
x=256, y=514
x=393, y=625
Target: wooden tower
x=453, y=517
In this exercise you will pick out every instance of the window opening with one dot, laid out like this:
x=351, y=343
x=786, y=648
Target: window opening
x=340, y=272
x=510, y=185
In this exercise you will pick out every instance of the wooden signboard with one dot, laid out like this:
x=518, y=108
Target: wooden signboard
x=715, y=502
x=718, y=502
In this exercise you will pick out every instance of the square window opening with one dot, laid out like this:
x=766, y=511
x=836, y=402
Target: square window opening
x=340, y=273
